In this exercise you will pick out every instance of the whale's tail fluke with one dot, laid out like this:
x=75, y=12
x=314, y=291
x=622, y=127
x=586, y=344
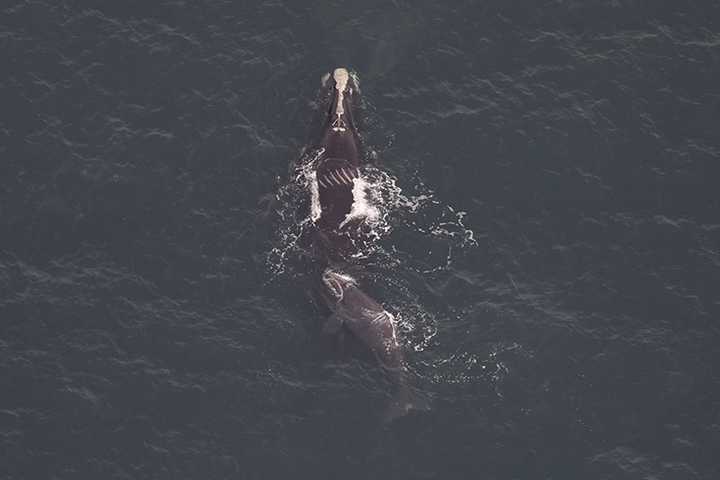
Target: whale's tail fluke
x=404, y=401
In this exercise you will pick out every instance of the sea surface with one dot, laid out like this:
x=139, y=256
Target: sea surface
x=547, y=235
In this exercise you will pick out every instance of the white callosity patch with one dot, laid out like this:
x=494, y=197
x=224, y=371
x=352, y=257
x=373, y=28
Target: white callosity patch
x=342, y=278
x=337, y=282
x=341, y=76
x=335, y=287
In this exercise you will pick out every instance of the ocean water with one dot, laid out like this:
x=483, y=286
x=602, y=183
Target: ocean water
x=547, y=235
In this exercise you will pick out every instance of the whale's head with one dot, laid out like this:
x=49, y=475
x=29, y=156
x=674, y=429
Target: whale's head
x=337, y=283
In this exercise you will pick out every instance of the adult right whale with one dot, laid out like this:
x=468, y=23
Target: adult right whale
x=338, y=166
x=337, y=172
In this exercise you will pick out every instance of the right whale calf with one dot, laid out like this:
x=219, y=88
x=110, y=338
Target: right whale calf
x=375, y=327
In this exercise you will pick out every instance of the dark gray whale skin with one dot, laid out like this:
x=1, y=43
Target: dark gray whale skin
x=371, y=324
x=365, y=318
x=339, y=294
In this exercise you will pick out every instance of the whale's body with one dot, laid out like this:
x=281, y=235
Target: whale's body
x=369, y=322
x=337, y=170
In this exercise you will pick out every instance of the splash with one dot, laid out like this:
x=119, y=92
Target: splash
x=298, y=208
x=491, y=367
x=418, y=327
x=362, y=209
x=380, y=206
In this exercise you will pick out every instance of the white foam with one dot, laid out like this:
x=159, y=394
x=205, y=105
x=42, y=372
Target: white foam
x=315, y=208
x=361, y=208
